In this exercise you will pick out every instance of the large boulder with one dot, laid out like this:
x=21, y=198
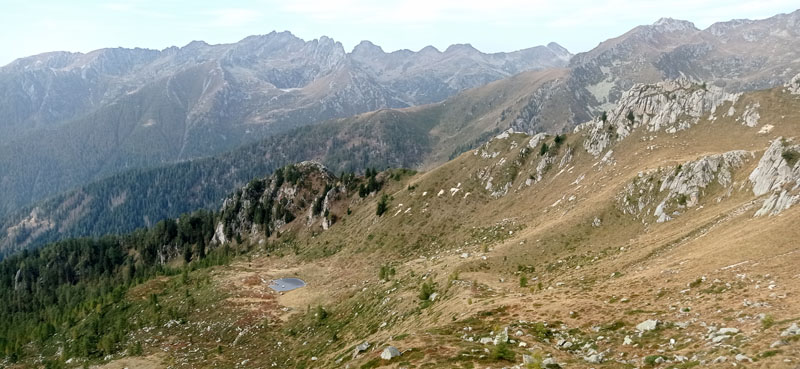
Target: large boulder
x=389, y=353
x=647, y=325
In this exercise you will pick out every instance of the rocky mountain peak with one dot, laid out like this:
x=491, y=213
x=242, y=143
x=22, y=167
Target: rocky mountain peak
x=366, y=49
x=461, y=48
x=558, y=49
x=673, y=25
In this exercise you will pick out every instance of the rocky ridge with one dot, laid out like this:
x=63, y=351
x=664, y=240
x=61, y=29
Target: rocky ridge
x=668, y=106
x=679, y=188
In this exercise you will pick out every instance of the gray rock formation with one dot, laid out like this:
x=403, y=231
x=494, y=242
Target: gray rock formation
x=647, y=325
x=679, y=188
x=667, y=106
x=778, y=175
x=360, y=348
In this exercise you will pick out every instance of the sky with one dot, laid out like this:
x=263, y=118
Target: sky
x=29, y=27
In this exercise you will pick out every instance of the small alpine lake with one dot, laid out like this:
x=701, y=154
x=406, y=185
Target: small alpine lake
x=286, y=284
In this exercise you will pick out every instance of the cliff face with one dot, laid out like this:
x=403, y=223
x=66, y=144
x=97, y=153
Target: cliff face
x=305, y=192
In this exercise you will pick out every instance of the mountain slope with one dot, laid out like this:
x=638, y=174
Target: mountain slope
x=666, y=239
x=73, y=118
x=740, y=55
x=416, y=137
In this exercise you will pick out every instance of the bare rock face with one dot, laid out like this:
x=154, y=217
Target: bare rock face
x=676, y=189
x=668, y=106
x=777, y=174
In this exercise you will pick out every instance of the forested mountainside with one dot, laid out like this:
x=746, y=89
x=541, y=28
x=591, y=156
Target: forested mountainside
x=408, y=138
x=73, y=292
x=658, y=234
x=71, y=118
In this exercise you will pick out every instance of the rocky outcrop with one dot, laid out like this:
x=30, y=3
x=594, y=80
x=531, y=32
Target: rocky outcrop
x=667, y=106
x=667, y=192
x=778, y=175
x=267, y=205
x=793, y=86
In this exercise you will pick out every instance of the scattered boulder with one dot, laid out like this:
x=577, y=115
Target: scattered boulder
x=728, y=331
x=647, y=325
x=549, y=362
x=501, y=337
x=527, y=359
x=793, y=330
x=627, y=341
x=595, y=358
x=743, y=357
x=778, y=343
x=390, y=353
x=360, y=348
x=720, y=359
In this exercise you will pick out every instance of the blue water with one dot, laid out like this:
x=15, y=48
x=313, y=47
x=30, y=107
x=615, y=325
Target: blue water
x=286, y=284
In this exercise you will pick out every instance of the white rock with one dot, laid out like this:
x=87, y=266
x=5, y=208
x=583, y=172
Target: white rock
x=647, y=325
x=549, y=361
x=718, y=339
x=501, y=337
x=793, y=330
x=627, y=341
x=778, y=343
x=389, y=353
x=594, y=358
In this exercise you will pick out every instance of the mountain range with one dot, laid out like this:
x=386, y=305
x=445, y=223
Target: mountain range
x=133, y=125
x=72, y=118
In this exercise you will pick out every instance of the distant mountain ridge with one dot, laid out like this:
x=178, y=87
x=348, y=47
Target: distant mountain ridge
x=739, y=55
x=276, y=61
x=72, y=118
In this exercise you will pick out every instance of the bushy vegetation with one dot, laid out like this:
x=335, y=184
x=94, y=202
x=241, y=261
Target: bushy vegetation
x=425, y=291
x=791, y=157
x=502, y=351
x=543, y=149
x=383, y=205
x=386, y=272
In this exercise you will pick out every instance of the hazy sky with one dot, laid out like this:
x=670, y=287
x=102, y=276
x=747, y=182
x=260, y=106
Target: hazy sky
x=29, y=27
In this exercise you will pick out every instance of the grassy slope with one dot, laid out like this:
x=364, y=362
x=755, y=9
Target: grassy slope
x=584, y=282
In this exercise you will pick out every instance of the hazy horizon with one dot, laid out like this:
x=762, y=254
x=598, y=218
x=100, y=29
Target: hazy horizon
x=499, y=26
